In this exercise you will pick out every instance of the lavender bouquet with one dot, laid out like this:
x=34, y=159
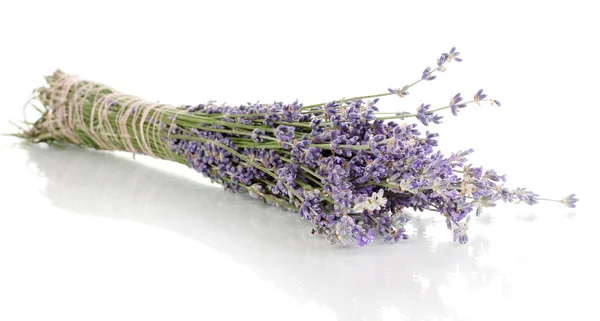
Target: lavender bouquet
x=342, y=165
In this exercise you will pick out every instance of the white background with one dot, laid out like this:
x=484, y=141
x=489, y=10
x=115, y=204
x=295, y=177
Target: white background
x=98, y=236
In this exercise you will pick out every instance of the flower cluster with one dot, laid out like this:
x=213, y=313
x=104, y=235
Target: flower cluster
x=349, y=173
x=339, y=164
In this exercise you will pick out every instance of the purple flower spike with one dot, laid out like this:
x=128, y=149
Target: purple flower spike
x=364, y=237
x=421, y=114
x=525, y=196
x=453, y=55
x=570, y=201
x=401, y=92
x=427, y=74
x=256, y=133
x=448, y=57
x=436, y=119
x=454, y=104
x=441, y=61
x=426, y=117
x=479, y=96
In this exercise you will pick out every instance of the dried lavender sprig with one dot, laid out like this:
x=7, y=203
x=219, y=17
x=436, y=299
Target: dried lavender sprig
x=401, y=92
x=427, y=75
x=400, y=115
x=568, y=201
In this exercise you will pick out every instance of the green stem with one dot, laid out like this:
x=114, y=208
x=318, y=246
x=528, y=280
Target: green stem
x=429, y=112
x=549, y=200
x=371, y=96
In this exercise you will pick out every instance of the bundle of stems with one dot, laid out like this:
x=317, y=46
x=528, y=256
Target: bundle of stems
x=349, y=169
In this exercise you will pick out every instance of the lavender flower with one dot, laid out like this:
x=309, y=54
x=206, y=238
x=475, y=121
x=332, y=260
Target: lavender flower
x=427, y=74
x=479, y=96
x=372, y=203
x=426, y=117
x=256, y=135
x=364, y=237
x=455, y=104
x=525, y=196
x=447, y=57
x=284, y=134
x=342, y=230
x=453, y=55
x=400, y=92
x=569, y=201
x=441, y=61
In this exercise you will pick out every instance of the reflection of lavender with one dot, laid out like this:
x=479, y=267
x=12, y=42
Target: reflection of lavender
x=354, y=283
x=337, y=164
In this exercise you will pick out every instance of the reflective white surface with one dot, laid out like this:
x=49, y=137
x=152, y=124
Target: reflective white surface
x=93, y=231
x=87, y=235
